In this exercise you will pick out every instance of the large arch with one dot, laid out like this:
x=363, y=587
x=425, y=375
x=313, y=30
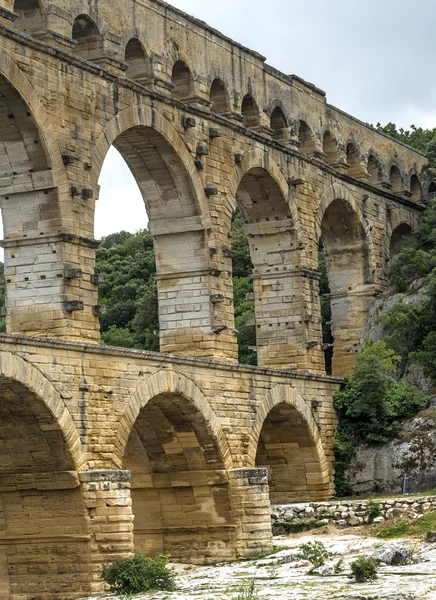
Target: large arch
x=399, y=226
x=346, y=240
x=286, y=440
x=44, y=533
x=178, y=456
x=179, y=216
x=271, y=220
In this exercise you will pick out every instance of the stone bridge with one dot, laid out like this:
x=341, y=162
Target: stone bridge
x=187, y=440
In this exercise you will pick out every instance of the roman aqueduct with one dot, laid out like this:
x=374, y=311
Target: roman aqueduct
x=103, y=450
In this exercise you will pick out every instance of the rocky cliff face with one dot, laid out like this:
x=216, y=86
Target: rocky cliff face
x=383, y=468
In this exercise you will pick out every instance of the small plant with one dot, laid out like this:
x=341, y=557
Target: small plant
x=365, y=568
x=139, y=574
x=248, y=591
x=314, y=552
x=374, y=510
x=339, y=566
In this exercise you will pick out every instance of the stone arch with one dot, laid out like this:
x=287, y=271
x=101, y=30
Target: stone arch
x=330, y=148
x=250, y=111
x=136, y=59
x=279, y=123
x=170, y=382
x=32, y=18
x=40, y=495
x=395, y=178
x=374, y=168
x=285, y=439
x=89, y=39
x=84, y=8
x=431, y=190
x=347, y=242
x=178, y=455
x=400, y=224
x=306, y=137
x=219, y=96
x=415, y=187
x=179, y=217
x=353, y=158
x=182, y=80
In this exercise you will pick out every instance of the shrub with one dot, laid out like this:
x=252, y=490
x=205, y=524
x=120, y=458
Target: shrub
x=314, y=552
x=365, y=568
x=139, y=574
x=374, y=510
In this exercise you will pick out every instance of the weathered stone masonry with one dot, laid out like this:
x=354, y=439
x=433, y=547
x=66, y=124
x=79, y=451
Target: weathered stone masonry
x=103, y=450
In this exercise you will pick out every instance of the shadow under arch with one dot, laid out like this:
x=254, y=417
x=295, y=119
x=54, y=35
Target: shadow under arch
x=347, y=242
x=173, y=445
x=285, y=439
x=177, y=208
x=41, y=505
x=399, y=226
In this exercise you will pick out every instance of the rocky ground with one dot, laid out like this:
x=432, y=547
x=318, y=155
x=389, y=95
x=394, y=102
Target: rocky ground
x=283, y=576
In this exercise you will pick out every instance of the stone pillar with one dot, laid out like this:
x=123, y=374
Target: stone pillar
x=349, y=316
x=193, y=314
x=51, y=289
x=251, y=511
x=108, y=502
x=288, y=322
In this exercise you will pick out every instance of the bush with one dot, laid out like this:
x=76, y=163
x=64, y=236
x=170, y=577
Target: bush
x=365, y=568
x=139, y=574
x=374, y=510
x=248, y=591
x=314, y=552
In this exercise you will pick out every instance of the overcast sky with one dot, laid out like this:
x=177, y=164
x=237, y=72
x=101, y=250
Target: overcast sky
x=375, y=59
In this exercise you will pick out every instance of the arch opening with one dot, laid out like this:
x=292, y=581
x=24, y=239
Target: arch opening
x=330, y=149
x=279, y=125
x=400, y=239
x=416, y=188
x=181, y=78
x=345, y=248
x=219, y=97
x=30, y=16
x=180, y=490
x=287, y=449
x=267, y=222
x=41, y=506
x=306, y=138
x=250, y=112
x=395, y=180
x=374, y=170
x=168, y=256
x=89, y=40
x=136, y=60
x=353, y=160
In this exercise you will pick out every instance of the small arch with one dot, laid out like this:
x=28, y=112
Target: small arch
x=415, y=188
x=330, y=149
x=136, y=59
x=31, y=18
x=305, y=137
x=431, y=194
x=353, y=158
x=395, y=179
x=374, y=170
x=399, y=239
x=250, y=112
x=181, y=78
x=88, y=38
x=219, y=97
x=278, y=124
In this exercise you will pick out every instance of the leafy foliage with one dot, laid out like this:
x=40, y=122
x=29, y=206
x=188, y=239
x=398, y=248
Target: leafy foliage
x=372, y=404
x=139, y=574
x=248, y=591
x=314, y=552
x=374, y=510
x=364, y=569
